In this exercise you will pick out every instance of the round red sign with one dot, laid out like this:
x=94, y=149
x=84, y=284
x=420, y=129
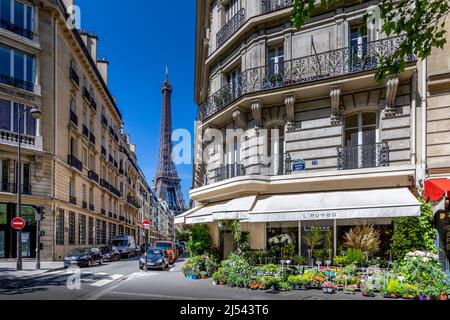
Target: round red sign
x=18, y=223
x=146, y=224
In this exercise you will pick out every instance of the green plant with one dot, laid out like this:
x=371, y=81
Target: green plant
x=288, y=251
x=313, y=238
x=414, y=233
x=299, y=260
x=340, y=261
x=364, y=238
x=199, y=240
x=354, y=256
x=284, y=286
x=393, y=286
x=216, y=276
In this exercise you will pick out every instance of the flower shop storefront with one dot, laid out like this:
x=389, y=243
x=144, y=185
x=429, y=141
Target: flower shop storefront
x=314, y=222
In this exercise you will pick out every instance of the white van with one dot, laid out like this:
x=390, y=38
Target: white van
x=125, y=245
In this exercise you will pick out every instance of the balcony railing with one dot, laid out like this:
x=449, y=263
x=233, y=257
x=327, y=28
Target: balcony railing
x=86, y=95
x=103, y=151
x=93, y=175
x=18, y=83
x=84, y=205
x=85, y=131
x=91, y=207
x=311, y=68
x=74, y=162
x=363, y=156
x=273, y=5
x=73, y=118
x=12, y=137
x=111, y=159
x=73, y=200
x=133, y=202
x=5, y=24
x=231, y=27
x=104, y=120
x=228, y=171
x=114, y=191
x=103, y=212
x=7, y=187
x=74, y=77
x=92, y=138
x=104, y=183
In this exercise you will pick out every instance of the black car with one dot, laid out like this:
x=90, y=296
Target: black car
x=83, y=257
x=110, y=253
x=156, y=259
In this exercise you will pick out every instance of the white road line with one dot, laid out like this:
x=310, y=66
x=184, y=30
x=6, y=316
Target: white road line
x=104, y=282
x=102, y=274
x=160, y=296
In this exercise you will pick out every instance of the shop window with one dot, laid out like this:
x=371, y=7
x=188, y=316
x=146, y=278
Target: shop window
x=59, y=227
x=91, y=231
x=98, y=232
x=4, y=176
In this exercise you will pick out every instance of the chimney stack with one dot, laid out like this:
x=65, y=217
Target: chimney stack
x=102, y=66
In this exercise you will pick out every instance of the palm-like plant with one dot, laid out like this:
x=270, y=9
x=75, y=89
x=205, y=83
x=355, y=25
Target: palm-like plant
x=363, y=237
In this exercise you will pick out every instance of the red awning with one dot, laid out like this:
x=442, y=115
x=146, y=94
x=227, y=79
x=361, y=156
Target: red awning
x=436, y=189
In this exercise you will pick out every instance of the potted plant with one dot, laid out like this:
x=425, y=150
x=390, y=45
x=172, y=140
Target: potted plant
x=349, y=289
x=410, y=291
x=216, y=278
x=368, y=288
x=393, y=288
x=284, y=286
x=203, y=274
x=328, y=287
x=430, y=292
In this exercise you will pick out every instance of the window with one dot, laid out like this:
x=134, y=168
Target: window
x=234, y=82
x=85, y=157
x=91, y=231
x=71, y=228
x=8, y=118
x=73, y=105
x=114, y=230
x=357, y=40
x=25, y=178
x=275, y=61
x=91, y=196
x=82, y=229
x=84, y=193
x=360, y=138
x=19, y=65
x=232, y=9
x=72, y=187
x=4, y=176
x=59, y=227
x=110, y=231
x=103, y=235
x=98, y=232
x=19, y=15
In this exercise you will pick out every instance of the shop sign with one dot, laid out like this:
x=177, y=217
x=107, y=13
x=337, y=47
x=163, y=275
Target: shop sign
x=299, y=165
x=319, y=215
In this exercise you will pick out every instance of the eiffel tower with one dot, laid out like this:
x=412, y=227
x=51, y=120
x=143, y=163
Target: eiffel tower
x=167, y=182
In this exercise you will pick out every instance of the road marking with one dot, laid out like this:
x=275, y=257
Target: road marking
x=102, y=274
x=160, y=296
x=104, y=282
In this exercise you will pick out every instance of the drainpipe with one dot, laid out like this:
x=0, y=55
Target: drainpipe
x=423, y=93
x=55, y=141
x=413, y=118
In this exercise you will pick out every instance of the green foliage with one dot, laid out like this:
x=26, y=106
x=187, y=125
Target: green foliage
x=182, y=234
x=199, y=240
x=313, y=238
x=414, y=233
x=202, y=264
x=421, y=21
x=354, y=256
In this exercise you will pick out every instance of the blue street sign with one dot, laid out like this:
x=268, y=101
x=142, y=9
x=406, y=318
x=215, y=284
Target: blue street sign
x=299, y=165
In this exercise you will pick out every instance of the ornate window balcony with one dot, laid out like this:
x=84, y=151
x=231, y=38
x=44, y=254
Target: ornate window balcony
x=29, y=142
x=85, y=131
x=231, y=27
x=73, y=200
x=363, y=156
x=325, y=65
x=93, y=175
x=73, y=118
x=5, y=24
x=7, y=187
x=104, y=121
x=15, y=82
x=74, y=162
x=273, y=5
x=92, y=138
x=74, y=77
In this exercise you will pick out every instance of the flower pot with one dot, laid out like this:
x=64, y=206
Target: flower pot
x=443, y=297
x=221, y=283
x=421, y=298
x=328, y=290
x=242, y=285
x=214, y=283
x=368, y=294
x=429, y=298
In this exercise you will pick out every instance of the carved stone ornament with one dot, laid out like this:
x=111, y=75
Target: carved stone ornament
x=391, y=93
x=335, y=95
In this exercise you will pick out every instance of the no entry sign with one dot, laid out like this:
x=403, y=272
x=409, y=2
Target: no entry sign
x=18, y=223
x=146, y=224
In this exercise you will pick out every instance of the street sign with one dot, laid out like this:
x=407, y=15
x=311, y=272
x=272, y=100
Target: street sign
x=146, y=224
x=299, y=165
x=18, y=223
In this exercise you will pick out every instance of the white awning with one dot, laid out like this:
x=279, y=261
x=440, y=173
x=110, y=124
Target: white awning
x=380, y=203
x=180, y=219
x=237, y=208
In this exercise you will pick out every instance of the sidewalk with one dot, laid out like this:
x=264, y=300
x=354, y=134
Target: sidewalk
x=8, y=268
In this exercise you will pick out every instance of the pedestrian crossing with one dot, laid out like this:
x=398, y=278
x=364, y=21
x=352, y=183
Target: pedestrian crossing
x=98, y=279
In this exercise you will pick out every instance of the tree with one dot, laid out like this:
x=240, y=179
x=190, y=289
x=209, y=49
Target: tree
x=313, y=238
x=199, y=240
x=182, y=234
x=414, y=233
x=421, y=21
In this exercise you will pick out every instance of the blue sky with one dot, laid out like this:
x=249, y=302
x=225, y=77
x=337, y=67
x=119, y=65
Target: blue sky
x=139, y=38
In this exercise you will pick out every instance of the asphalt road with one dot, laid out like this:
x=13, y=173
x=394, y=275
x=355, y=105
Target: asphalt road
x=123, y=280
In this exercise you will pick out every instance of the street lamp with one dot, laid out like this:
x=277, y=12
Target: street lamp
x=36, y=114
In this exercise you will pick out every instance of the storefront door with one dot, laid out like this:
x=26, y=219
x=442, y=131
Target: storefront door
x=26, y=244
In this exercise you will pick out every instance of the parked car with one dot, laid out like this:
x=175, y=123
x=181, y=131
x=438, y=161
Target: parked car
x=83, y=257
x=156, y=259
x=125, y=245
x=169, y=247
x=183, y=245
x=138, y=251
x=110, y=253
x=179, y=249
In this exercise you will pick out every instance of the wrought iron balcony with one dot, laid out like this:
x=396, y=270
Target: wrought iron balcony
x=227, y=171
x=84, y=205
x=74, y=162
x=103, y=151
x=325, y=65
x=18, y=83
x=104, y=120
x=231, y=27
x=93, y=104
x=363, y=156
x=93, y=175
x=86, y=95
x=102, y=212
x=73, y=200
x=85, y=131
x=74, y=77
x=7, y=187
x=92, y=138
x=91, y=207
x=111, y=159
x=114, y=191
x=73, y=118
x=104, y=183
x=273, y=5
x=5, y=24
x=122, y=218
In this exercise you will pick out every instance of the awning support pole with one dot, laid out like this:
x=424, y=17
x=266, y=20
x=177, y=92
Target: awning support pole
x=335, y=237
x=299, y=238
